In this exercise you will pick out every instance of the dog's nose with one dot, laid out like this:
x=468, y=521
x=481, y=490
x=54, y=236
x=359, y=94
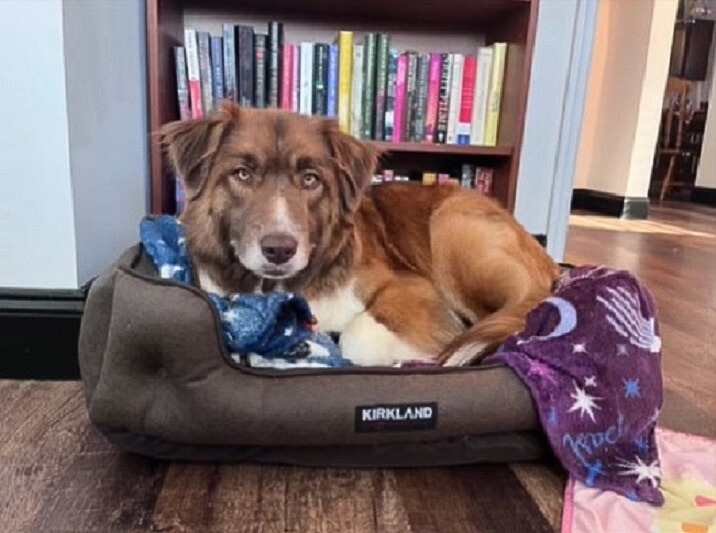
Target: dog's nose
x=278, y=247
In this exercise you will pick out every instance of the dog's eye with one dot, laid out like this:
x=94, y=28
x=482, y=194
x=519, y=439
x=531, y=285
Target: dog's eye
x=310, y=180
x=242, y=173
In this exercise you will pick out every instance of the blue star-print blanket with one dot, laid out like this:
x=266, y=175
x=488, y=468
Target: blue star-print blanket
x=591, y=357
x=264, y=330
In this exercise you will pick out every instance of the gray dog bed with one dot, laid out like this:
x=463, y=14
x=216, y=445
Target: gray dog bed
x=159, y=382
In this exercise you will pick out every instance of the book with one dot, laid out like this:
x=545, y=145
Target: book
x=443, y=179
x=400, y=97
x=230, y=88
x=320, y=78
x=260, y=41
x=357, y=91
x=287, y=77
x=332, y=92
x=381, y=79
x=305, y=105
x=182, y=83
x=431, y=108
x=216, y=53
x=202, y=41
x=483, y=180
x=455, y=88
x=444, y=97
x=421, y=98
x=368, y=93
x=390, y=83
x=495, y=93
x=467, y=176
x=296, y=79
x=429, y=178
x=345, y=79
x=482, y=88
x=410, y=95
x=464, y=120
x=192, y=71
x=244, y=44
x=274, y=63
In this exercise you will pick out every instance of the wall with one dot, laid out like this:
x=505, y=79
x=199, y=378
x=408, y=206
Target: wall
x=37, y=239
x=706, y=174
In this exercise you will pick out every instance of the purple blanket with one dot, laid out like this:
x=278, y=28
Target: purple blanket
x=591, y=356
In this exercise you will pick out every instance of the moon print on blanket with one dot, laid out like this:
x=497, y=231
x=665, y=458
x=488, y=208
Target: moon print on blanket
x=625, y=317
x=567, y=320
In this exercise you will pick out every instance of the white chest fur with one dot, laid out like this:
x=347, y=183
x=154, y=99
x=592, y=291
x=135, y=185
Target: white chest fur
x=334, y=311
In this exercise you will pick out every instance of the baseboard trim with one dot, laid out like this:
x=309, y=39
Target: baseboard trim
x=704, y=195
x=613, y=205
x=40, y=332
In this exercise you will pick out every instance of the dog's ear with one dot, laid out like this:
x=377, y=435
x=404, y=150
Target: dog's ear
x=356, y=163
x=191, y=145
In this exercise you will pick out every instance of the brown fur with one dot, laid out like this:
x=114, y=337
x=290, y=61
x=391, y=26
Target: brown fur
x=424, y=260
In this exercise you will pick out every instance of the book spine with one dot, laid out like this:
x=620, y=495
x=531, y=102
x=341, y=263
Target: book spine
x=230, y=88
x=260, y=85
x=193, y=76
x=410, y=96
x=345, y=79
x=455, y=87
x=482, y=88
x=274, y=70
x=421, y=98
x=306, y=92
x=244, y=42
x=286, y=73
x=205, y=71
x=381, y=76
x=332, y=97
x=462, y=131
x=400, y=97
x=320, y=78
x=357, y=90
x=390, y=94
x=444, y=98
x=368, y=103
x=431, y=108
x=296, y=79
x=495, y=95
x=217, y=67
x=182, y=83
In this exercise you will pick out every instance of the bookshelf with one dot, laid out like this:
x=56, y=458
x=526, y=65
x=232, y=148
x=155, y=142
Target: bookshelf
x=426, y=25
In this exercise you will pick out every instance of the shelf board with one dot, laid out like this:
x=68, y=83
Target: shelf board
x=446, y=149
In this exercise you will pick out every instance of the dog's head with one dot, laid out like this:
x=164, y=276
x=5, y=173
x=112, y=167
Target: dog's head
x=270, y=188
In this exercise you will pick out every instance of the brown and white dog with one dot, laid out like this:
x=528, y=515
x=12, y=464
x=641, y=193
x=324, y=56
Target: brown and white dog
x=280, y=201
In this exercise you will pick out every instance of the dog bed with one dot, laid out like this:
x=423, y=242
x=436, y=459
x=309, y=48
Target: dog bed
x=159, y=381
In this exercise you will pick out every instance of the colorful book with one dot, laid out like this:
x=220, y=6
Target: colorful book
x=495, y=94
x=207, y=100
x=217, y=69
x=287, y=77
x=483, y=180
x=482, y=88
x=296, y=79
x=421, y=98
x=381, y=77
x=182, y=83
x=332, y=96
x=274, y=63
x=305, y=106
x=410, y=95
x=431, y=108
x=370, y=46
x=320, y=79
x=192, y=71
x=455, y=88
x=357, y=91
x=345, y=79
x=400, y=99
x=244, y=43
x=444, y=97
x=230, y=88
x=462, y=131
x=260, y=85
x=390, y=83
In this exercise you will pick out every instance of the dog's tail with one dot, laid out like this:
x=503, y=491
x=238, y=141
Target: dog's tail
x=487, y=334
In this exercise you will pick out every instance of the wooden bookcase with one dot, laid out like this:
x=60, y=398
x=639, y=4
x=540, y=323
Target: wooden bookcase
x=425, y=25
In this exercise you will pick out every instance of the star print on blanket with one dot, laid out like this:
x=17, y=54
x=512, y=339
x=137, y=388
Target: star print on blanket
x=590, y=354
x=265, y=330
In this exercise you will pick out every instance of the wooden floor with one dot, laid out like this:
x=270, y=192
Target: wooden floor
x=58, y=474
